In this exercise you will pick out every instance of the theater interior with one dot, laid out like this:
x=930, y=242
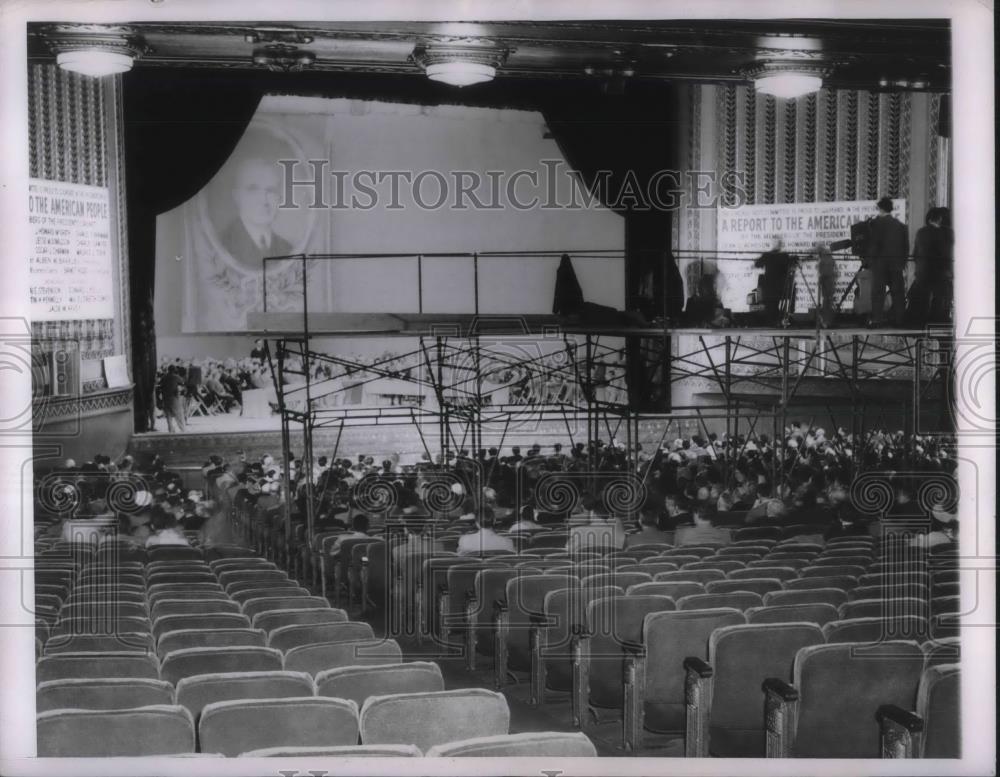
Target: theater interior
x=541, y=388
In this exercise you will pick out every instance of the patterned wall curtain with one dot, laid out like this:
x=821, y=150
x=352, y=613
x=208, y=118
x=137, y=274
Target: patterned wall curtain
x=833, y=145
x=68, y=143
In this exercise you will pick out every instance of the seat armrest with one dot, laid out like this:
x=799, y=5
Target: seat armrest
x=781, y=716
x=781, y=689
x=698, y=687
x=699, y=666
x=900, y=732
x=633, y=697
x=633, y=649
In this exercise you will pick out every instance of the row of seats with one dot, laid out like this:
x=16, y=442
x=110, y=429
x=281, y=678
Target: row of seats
x=467, y=722
x=230, y=657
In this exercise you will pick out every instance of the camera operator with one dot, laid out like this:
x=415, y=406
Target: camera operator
x=887, y=249
x=931, y=291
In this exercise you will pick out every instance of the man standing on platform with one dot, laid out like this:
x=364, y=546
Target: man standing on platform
x=173, y=402
x=888, y=247
x=773, y=283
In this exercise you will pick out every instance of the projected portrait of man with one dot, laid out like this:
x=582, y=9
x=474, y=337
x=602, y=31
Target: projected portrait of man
x=251, y=236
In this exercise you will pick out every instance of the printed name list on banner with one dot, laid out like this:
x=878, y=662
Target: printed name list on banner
x=746, y=232
x=71, y=265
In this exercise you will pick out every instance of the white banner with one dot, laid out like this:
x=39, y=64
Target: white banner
x=745, y=233
x=71, y=267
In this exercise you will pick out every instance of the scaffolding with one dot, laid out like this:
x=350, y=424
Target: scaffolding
x=471, y=370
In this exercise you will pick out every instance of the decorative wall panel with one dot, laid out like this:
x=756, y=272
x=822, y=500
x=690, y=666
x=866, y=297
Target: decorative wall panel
x=68, y=142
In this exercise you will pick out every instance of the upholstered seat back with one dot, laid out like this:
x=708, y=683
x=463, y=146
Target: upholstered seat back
x=742, y=658
x=793, y=613
x=316, y=658
x=428, y=719
x=201, y=638
x=670, y=637
x=740, y=600
x=613, y=623
x=541, y=744
x=939, y=703
x=758, y=585
x=288, y=637
x=194, y=693
x=154, y=730
x=275, y=619
x=102, y=694
x=357, y=683
x=65, y=666
x=236, y=726
x=188, y=662
x=840, y=688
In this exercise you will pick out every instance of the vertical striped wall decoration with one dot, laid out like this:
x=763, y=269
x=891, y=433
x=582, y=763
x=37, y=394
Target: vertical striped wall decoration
x=849, y=148
x=933, y=157
x=749, y=144
x=869, y=171
x=770, y=139
x=789, y=174
x=68, y=143
x=905, y=143
x=893, y=127
x=827, y=147
x=808, y=140
x=730, y=146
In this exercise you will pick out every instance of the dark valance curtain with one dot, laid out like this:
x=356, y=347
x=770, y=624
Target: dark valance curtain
x=630, y=137
x=179, y=128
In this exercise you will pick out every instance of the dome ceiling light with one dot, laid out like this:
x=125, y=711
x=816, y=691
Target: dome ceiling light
x=460, y=64
x=95, y=51
x=786, y=79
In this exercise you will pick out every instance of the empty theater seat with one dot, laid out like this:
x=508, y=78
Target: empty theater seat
x=63, y=666
x=316, y=658
x=193, y=693
x=122, y=642
x=934, y=729
x=143, y=731
x=723, y=694
x=201, y=638
x=236, y=726
x=102, y=693
x=613, y=625
x=215, y=620
x=274, y=619
x=357, y=683
x=344, y=751
x=188, y=662
x=428, y=719
x=288, y=637
x=536, y=744
x=654, y=673
x=792, y=613
x=836, y=691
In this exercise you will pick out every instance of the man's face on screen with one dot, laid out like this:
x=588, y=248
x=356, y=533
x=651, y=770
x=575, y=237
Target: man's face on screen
x=256, y=192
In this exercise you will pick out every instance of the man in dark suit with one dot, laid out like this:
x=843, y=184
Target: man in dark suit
x=173, y=403
x=889, y=245
x=251, y=237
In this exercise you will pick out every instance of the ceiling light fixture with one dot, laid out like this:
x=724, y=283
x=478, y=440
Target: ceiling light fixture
x=96, y=54
x=786, y=79
x=460, y=65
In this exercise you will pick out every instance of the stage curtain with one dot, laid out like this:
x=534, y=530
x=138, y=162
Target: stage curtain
x=179, y=128
x=632, y=136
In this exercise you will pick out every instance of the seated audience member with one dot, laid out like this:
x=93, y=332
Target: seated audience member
x=526, y=522
x=649, y=529
x=419, y=540
x=704, y=529
x=166, y=529
x=484, y=539
x=359, y=530
x=766, y=509
x=676, y=511
x=597, y=530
